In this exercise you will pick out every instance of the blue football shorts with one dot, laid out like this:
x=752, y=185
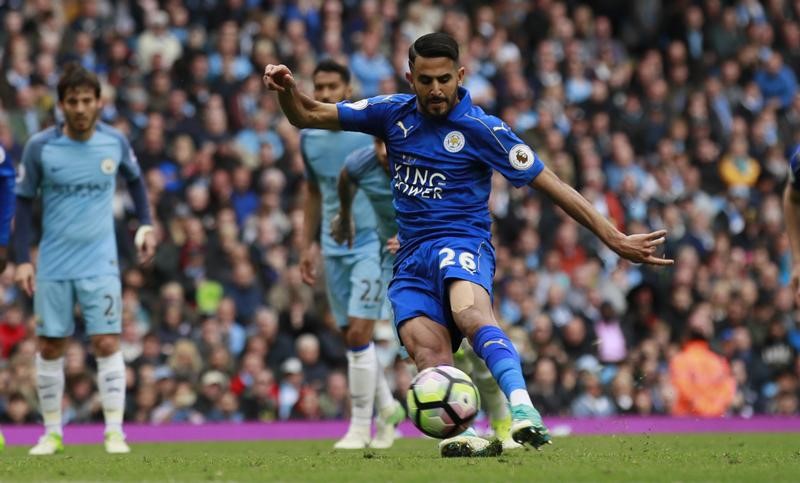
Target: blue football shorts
x=419, y=286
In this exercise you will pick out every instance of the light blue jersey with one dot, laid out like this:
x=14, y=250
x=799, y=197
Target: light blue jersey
x=364, y=169
x=324, y=153
x=76, y=181
x=354, y=284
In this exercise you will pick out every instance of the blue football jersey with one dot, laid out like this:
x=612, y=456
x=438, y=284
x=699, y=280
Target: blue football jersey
x=7, y=175
x=76, y=180
x=441, y=168
x=794, y=169
x=363, y=169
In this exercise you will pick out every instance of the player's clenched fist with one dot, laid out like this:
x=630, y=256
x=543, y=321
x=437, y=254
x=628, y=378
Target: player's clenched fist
x=278, y=77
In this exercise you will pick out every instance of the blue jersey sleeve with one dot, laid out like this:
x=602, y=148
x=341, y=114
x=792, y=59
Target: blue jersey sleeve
x=30, y=168
x=369, y=116
x=6, y=196
x=505, y=152
x=794, y=170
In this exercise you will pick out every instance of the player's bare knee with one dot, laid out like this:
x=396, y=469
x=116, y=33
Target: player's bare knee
x=427, y=342
x=52, y=348
x=426, y=357
x=429, y=351
x=105, y=345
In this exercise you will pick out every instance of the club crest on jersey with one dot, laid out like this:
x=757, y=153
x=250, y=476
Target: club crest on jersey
x=358, y=105
x=521, y=157
x=107, y=166
x=454, y=141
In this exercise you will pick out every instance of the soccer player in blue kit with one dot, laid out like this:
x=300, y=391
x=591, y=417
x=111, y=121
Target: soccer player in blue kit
x=6, y=214
x=355, y=290
x=367, y=170
x=442, y=151
x=74, y=169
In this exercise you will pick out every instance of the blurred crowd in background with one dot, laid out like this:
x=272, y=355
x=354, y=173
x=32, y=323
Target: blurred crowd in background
x=674, y=114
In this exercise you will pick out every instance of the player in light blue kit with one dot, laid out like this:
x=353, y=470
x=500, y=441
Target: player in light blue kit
x=6, y=213
x=74, y=169
x=442, y=151
x=355, y=289
x=367, y=169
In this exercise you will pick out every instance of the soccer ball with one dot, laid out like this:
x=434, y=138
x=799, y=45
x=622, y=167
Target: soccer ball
x=442, y=401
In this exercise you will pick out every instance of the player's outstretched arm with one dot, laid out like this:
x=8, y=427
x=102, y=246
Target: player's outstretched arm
x=342, y=227
x=301, y=110
x=791, y=211
x=638, y=248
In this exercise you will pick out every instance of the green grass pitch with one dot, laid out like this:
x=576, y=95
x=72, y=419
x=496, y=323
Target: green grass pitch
x=710, y=457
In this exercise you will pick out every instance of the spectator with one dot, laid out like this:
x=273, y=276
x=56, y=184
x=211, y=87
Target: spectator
x=591, y=402
x=244, y=291
x=18, y=411
x=232, y=332
x=226, y=409
x=26, y=119
x=777, y=81
x=12, y=330
x=702, y=379
x=333, y=402
x=737, y=168
x=369, y=65
x=546, y=392
x=315, y=372
x=260, y=403
x=291, y=387
x=157, y=47
x=612, y=345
